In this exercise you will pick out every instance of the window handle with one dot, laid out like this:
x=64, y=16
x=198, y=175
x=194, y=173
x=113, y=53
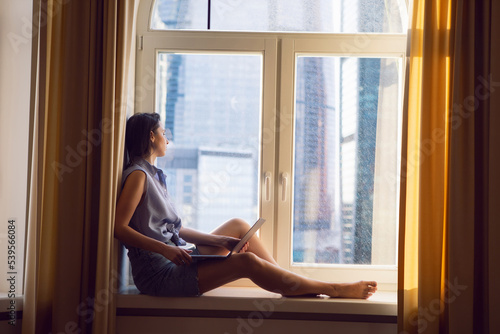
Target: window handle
x=284, y=185
x=267, y=185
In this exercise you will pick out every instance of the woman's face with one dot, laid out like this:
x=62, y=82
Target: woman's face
x=159, y=141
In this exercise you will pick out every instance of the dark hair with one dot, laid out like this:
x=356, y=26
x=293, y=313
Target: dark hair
x=137, y=134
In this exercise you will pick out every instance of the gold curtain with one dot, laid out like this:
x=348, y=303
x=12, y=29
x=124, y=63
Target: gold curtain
x=445, y=260
x=118, y=78
x=83, y=64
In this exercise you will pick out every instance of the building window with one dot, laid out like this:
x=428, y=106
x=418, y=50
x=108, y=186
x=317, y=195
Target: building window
x=289, y=110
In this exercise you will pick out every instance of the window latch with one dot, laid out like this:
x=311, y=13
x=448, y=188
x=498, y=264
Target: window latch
x=284, y=185
x=140, y=42
x=267, y=186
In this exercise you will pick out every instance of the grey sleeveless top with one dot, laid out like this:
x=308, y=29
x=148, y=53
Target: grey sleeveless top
x=155, y=216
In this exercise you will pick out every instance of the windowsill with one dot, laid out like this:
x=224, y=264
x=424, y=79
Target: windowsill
x=5, y=302
x=7, y=305
x=231, y=302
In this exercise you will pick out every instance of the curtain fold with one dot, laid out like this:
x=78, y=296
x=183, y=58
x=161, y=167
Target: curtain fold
x=118, y=102
x=84, y=65
x=494, y=176
x=445, y=272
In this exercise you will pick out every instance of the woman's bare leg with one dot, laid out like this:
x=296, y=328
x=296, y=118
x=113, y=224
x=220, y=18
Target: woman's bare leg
x=237, y=228
x=212, y=274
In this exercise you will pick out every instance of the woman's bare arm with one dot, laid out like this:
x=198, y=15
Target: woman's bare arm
x=201, y=238
x=127, y=203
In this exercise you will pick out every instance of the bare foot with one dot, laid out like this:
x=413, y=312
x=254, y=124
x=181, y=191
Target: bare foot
x=361, y=289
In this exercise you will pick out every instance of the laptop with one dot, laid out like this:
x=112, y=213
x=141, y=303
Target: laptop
x=238, y=246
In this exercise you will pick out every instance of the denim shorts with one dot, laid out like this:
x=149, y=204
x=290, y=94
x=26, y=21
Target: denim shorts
x=156, y=275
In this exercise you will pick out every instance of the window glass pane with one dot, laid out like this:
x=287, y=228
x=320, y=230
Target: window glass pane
x=180, y=15
x=211, y=105
x=332, y=16
x=347, y=135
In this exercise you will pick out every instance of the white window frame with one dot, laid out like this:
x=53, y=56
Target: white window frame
x=279, y=51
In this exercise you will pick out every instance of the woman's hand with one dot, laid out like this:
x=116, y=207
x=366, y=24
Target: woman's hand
x=230, y=242
x=177, y=255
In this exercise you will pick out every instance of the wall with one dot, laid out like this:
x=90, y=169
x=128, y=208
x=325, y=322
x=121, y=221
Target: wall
x=15, y=68
x=15, y=78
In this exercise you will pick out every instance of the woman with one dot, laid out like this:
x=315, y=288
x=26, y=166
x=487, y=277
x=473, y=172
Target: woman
x=147, y=223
